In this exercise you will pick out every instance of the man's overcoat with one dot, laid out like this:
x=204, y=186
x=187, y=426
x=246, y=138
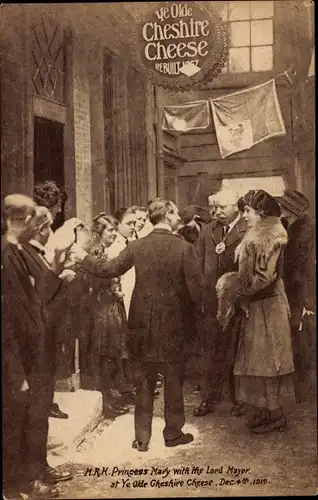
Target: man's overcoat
x=214, y=265
x=166, y=293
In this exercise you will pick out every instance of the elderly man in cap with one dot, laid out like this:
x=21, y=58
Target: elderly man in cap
x=216, y=247
x=299, y=272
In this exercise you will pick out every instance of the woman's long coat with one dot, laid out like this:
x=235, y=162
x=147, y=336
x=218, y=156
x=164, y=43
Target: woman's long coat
x=265, y=339
x=104, y=333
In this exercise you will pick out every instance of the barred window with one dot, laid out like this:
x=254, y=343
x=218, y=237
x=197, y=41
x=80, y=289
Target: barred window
x=250, y=26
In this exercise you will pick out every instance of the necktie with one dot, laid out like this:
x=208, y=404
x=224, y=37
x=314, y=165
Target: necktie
x=226, y=230
x=42, y=254
x=127, y=241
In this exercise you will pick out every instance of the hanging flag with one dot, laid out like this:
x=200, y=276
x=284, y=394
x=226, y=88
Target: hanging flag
x=311, y=71
x=189, y=116
x=247, y=117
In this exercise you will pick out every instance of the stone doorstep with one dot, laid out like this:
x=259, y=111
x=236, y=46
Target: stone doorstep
x=84, y=409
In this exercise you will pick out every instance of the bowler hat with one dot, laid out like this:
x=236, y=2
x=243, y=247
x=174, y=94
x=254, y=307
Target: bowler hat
x=294, y=201
x=188, y=213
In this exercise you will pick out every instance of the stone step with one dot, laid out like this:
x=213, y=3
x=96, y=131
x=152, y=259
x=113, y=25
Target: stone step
x=85, y=413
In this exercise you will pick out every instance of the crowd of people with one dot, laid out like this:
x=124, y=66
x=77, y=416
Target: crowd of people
x=141, y=289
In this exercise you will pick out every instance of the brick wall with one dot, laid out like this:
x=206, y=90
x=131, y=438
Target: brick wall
x=14, y=174
x=82, y=136
x=151, y=141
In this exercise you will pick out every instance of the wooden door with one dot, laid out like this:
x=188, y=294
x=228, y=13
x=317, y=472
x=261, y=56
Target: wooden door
x=48, y=151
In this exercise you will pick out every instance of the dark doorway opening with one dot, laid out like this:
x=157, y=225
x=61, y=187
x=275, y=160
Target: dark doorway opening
x=48, y=151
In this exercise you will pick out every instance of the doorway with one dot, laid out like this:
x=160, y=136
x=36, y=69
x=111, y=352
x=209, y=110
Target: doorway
x=48, y=151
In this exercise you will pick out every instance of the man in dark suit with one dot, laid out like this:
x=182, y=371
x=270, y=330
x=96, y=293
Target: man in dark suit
x=24, y=356
x=166, y=293
x=216, y=248
x=299, y=280
x=53, y=293
x=48, y=194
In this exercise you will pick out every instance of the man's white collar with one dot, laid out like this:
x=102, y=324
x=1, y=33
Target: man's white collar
x=37, y=244
x=234, y=222
x=163, y=225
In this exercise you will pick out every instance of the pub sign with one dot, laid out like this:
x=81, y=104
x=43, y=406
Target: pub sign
x=181, y=44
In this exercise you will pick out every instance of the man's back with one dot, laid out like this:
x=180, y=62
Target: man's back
x=167, y=290
x=166, y=293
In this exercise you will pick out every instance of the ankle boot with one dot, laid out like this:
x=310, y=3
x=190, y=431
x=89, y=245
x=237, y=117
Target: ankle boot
x=276, y=421
x=279, y=425
x=259, y=418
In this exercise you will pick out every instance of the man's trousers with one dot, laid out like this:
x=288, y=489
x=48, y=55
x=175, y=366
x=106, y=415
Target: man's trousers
x=25, y=432
x=218, y=353
x=147, y=374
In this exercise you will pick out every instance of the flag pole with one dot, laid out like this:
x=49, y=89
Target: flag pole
x=159, y=138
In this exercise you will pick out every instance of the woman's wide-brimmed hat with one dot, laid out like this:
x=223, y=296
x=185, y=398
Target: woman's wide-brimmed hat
x=261, y=201
x=294, y=201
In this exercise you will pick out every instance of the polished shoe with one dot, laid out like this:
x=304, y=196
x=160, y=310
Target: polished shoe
x=40, y=489
x=203, y=409
x=56, y=412
x=183, y=439
x=238, y=410
x=156, y=393
x=52, y=475
x=140, y=446
x=197, y=388
x=259, y=418
x=271, y=426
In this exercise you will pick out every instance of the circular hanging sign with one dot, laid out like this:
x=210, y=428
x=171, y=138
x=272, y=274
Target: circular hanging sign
x=180, y=44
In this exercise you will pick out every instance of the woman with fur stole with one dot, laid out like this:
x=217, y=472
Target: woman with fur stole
x=264, y=357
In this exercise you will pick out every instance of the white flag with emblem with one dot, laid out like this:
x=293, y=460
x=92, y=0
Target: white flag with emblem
x=188, y=116
x=247, y=117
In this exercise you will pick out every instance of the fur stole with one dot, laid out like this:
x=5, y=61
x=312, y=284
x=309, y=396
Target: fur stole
x=262, y=240
x=257, y=247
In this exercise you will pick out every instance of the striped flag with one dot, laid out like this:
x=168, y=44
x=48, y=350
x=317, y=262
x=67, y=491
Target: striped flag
x=247, y=117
